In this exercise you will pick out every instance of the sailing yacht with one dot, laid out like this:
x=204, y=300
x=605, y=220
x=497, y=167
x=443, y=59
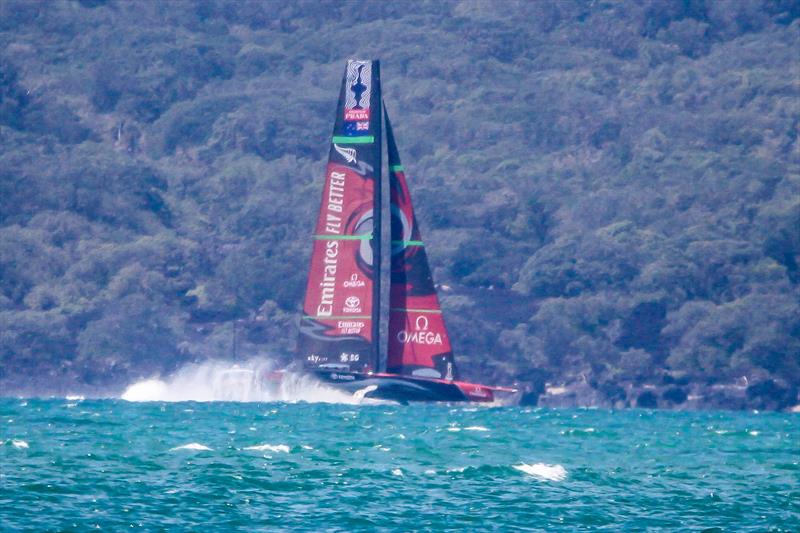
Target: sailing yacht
x=339, y=341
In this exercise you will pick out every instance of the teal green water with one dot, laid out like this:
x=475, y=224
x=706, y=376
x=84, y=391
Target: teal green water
x=114, y=465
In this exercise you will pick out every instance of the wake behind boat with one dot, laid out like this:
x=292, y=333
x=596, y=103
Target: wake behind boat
x=339, y=330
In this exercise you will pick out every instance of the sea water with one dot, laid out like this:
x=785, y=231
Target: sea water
x=294, y=465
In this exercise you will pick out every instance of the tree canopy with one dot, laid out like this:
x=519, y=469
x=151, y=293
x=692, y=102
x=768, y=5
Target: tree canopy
x=610, y=190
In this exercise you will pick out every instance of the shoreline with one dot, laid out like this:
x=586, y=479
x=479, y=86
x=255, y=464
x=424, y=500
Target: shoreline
x=763, y=396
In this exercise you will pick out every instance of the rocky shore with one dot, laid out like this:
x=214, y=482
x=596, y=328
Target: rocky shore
x=668, y=393
x=767, y=395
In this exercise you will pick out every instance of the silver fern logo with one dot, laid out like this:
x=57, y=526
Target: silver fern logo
x=349, y=154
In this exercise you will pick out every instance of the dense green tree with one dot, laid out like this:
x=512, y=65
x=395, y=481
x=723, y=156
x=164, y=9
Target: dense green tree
x=609, y=192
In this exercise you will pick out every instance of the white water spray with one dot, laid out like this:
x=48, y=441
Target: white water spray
x=543, y=471
x=251, y=381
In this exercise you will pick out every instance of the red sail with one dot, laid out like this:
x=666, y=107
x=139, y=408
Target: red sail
x=418, y=342
x=340, y=312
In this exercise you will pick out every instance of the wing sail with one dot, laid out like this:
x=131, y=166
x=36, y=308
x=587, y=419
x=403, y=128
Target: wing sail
x=418, y=341
x=340, y=312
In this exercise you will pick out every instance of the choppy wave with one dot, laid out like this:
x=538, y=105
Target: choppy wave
x=304, y=466
x=269, y=448
x=194, y=446
x=233, y=382
x=543, y=471
x=456, y=429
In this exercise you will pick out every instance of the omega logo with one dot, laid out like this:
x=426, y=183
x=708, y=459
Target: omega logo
x=420, y=335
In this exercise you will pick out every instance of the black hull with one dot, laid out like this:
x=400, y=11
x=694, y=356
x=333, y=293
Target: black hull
x=400, y=388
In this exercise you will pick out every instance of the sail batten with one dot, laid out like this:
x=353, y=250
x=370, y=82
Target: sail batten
x=345, y=237
x=418, y=343
x=340, y=321
x=354, y=140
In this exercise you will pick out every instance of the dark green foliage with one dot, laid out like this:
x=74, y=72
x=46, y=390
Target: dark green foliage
x=647, y=400
x=13, y=98
x=769, y=395
x=609, y=192
x=676, y=395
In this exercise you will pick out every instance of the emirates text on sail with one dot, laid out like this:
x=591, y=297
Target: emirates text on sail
x=333, y=225
x=328, y=283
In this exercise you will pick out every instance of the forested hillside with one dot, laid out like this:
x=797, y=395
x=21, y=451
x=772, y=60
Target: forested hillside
x=609, y=190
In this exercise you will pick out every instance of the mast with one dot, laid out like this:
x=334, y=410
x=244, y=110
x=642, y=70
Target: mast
x=377, y=239
x=340, y=321
x=418, y=342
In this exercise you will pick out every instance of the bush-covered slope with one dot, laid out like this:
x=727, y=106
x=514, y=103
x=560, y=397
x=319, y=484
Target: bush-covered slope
x=610, y=190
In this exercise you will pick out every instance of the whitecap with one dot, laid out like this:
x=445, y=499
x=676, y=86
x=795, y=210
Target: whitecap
x=574, y=431
x=73, y=397
x=754, y=433
x=476, y=428
x=397, y=472
x=430, y=472
x=543, y=471
x=269, y=448
x=453, y=428
x=195, y=446
x=307, y=447
x=19, y=444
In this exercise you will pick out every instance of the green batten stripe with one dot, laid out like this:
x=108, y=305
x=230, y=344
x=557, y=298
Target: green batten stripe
x=358, y=317
x=365, y=237
x=409, y=243
x=404, y=310
x=397, y=168
x=366, y=139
